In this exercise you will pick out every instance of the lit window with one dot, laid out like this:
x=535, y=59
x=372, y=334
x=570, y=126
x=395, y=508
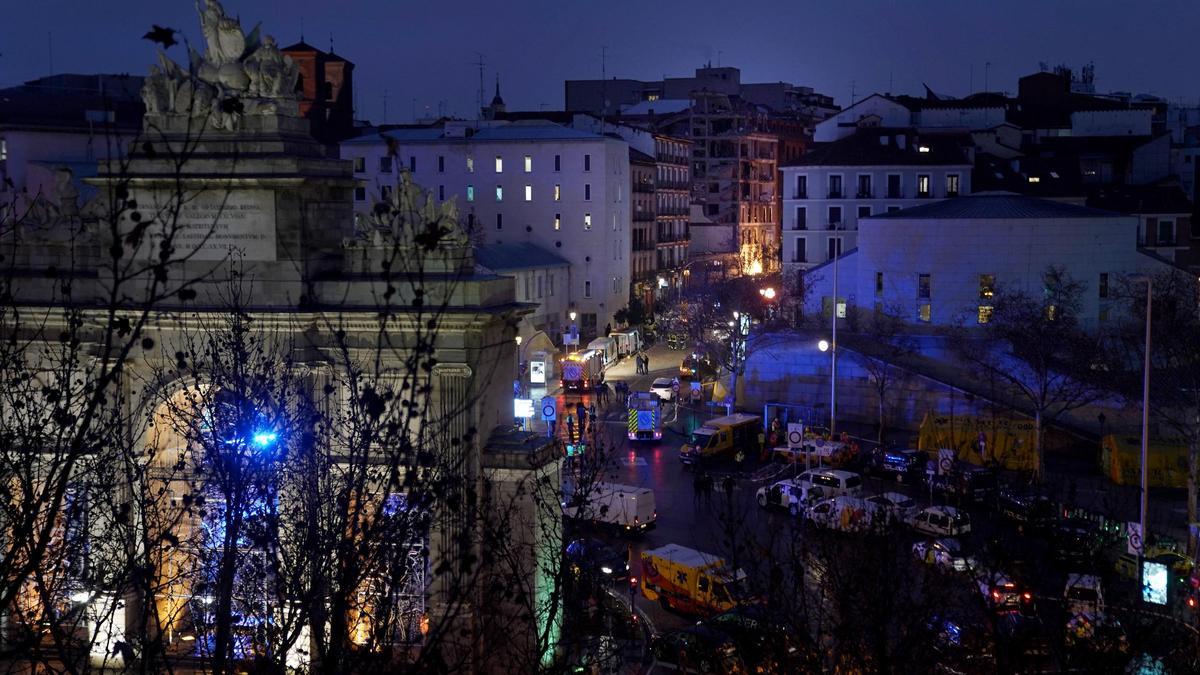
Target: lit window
x=499, y=193
x=528, y=193
x=499, y=164
x=985, y=313
x=951, y=185
x=923, y=185
x=925, y=312
x=470, y=165
x=558, y=221
x=922, y=148
x=528, y=164
x=587, y=221
x=557, y=192
x=1035, y=179
x=470, y=193
x=987, y=286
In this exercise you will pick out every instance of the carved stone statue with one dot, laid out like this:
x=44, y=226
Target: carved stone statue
x=409, y=212
x=237, y=75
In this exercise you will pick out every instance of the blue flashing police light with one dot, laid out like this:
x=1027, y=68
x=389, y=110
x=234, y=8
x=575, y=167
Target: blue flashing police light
x=264, y=439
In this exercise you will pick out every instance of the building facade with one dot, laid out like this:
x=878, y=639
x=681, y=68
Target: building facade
x=830, y=189
x=563, y=189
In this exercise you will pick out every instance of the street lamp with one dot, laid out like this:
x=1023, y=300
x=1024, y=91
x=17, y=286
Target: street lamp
x=1145, y=420
x=518, y=339
x=768, y=292
x=572, y=314
x=823, y=345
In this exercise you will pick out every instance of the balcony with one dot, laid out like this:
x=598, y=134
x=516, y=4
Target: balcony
x=673, y=211
x=895, y=194
x=799, y=258
x=645, y=187
x=672, y=238
x=644, y=246
x=800, y=194
x=797, y=227
x=924, y=195
x=833, y=225
x=673, y=185
x=865, y=194
x=834, y=194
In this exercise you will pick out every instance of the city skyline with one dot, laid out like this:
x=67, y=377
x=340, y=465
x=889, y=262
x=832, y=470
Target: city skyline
x=432, y=67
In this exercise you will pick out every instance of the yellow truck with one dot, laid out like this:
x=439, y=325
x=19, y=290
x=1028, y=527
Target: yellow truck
x=690, y=581
x=721, y=435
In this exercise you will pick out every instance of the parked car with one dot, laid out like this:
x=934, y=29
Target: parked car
x=592, y=557
x=965, y=481
x=1026, y=508
x=1075, y=541
x=900, y=465
x=835, y=482
x=943, y=554
x=764, y=640
x=842, y=514
x=893, y=506
x=664, y=388
x=698, y=649
x=789, y=494
x=941, y=521
x=1002, y=593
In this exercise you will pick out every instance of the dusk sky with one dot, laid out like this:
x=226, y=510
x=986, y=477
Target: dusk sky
x=422, y=53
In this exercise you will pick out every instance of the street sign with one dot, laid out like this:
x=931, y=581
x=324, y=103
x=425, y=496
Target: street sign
x=523, y=408
x=549, y=409
x=1133, y=538
x=945, y=460
x=795, y=437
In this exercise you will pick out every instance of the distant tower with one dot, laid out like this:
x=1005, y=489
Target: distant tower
x=497, y=106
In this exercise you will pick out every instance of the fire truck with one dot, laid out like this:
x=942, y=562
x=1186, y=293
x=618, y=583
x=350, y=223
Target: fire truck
x=644, y=416
x=581, y=370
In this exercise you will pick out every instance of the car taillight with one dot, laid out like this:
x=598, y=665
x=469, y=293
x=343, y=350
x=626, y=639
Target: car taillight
x=1027, y=596
x=995, y=594
x=1191, y=601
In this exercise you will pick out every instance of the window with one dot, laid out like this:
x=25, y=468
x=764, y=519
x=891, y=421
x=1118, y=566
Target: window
x=470, y=165
x=441, y=193
x=923, y=287
x=1103, y=286
x=985, y=314
x=924, y=312
x=587, y=192
x=470, y=193
x=529, y=169
x=893, y=187
x=557, y=222
x=835, y=186
x=864, y=187
x=951, y=185
x=835, y=216
x=539, y=287
x=923, y=186
x=550, y=284
x=587, y=221
x=557, y=192
x=587, y=289
x=499, y=164
x=360, y=193
x=879, y=283
x=441, y=164
x=833, y=247
x=499, y=193
x=360, y=163
x=587, y=162
x=412, y=163
x=801, y=187
x=528, y=193
x=1166, y=232
x=558, y=162
x=385, y=164
x=385, y=191
x=801, y=219
x=864, y=211
x=801, y=253
x=987, y=286
x=499, y=221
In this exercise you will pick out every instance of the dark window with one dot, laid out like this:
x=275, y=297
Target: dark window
x=801, y=187
x=864, y=187
x=385, y=164
x=835, y=187
x=864, y=211
x=893, y=191
x=499, y=221
x=1103, y=284
x=587, y=162
x=360, y=164
x=835, y=216
x=558, y=162
x=801, y=253
x=360, y=194
x=441, y=193
x=441, y=163
x=923, y=287
x=801, y=219
x=587, y=191
x=834, y=246
x=878, y=283
x=412, y=163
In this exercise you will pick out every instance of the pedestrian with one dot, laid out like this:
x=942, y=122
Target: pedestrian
x=592, y=414
x=581, y=413
x=727, y=484
x=570, y=429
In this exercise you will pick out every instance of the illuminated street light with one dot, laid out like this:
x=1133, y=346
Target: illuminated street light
x=768, y=292
x=823, y=345
x=572, y=314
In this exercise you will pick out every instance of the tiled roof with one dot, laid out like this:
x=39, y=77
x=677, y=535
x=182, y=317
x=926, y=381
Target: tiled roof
x=1000, y=205
x=506, y=257
x=880, y=148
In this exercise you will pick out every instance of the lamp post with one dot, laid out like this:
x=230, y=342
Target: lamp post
x=1145, y=424
x=837, y=251
x=518, y=339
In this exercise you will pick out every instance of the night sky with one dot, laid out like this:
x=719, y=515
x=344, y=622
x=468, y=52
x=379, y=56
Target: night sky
x=422, y=53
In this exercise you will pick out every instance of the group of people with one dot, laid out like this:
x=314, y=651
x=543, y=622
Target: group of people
x=642, y=362
x=702, y=487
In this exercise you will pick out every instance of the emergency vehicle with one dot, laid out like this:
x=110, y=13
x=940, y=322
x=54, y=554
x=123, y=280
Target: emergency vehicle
x=690, y=581
x=644, y=416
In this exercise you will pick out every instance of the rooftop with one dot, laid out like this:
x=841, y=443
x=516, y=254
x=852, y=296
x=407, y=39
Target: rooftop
x=519, y=256
x=76, y=102
x=995, y=205
x=882, y=148
x=533, y=130
x=1140, y=199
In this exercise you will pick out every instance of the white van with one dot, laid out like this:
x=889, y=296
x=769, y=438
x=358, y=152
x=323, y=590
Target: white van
x=607, y=348
x=624, y=506
x=834, y=482
x=629, y=341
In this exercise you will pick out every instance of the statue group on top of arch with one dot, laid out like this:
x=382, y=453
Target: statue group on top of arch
x=237, y=75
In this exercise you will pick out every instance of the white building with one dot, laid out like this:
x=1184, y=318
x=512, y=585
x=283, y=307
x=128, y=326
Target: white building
x=563, y=189
x=542, y=279
x=940, y=263
x=830, y=188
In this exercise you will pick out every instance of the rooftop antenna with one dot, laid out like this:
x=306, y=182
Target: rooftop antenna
x=971, y=80
x=302, y=29
x=603, y=83
x=479, y=63
x=852, y=91
x=385, y=94
x=331, y=43
x=719, y=53
x=987, y=67
x=414, y=108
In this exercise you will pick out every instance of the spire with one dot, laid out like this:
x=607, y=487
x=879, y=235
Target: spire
x=302, y=29
x=331, y=43
x=496, y=100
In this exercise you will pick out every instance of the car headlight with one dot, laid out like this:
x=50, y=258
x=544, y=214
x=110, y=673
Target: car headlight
x=606, y=569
